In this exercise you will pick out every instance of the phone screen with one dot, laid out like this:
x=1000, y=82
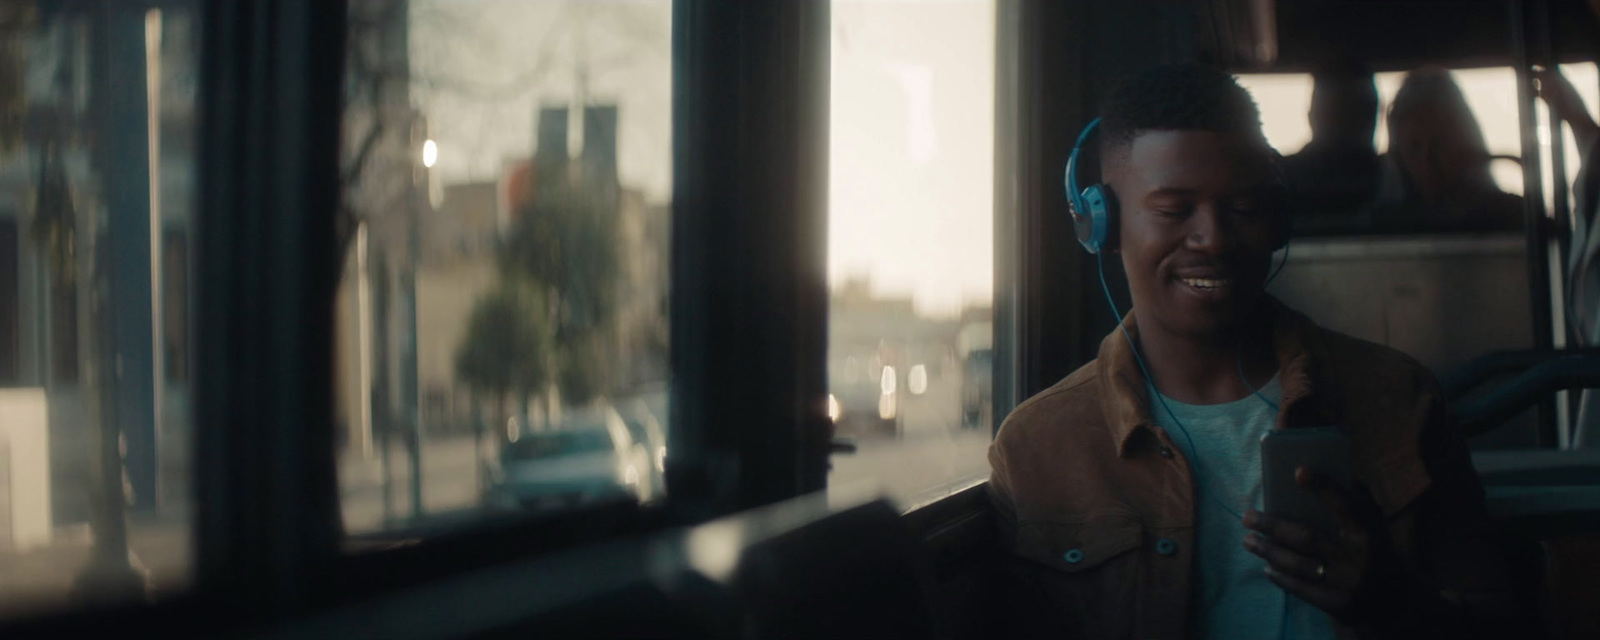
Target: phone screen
x=1324, y=450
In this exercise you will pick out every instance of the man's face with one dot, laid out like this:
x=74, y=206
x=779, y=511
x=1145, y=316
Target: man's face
x=1198, y=224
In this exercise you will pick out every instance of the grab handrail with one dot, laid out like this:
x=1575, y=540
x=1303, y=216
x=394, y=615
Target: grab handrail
x=1481, y=415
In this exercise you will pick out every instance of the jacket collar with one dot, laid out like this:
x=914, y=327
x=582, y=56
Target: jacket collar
x=1126, y=404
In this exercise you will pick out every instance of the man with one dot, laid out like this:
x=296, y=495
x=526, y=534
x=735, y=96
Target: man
x=1116, y=490
x=1336, y=175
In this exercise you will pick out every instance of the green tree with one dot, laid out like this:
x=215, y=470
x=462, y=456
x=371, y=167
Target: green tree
x=584, y=367
x=566, y=240
x=508, y=347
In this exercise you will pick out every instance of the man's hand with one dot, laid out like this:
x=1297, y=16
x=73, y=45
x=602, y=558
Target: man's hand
x=1354, y=575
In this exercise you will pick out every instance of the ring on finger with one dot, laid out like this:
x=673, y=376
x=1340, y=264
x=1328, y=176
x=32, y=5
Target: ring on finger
x=1321, y=572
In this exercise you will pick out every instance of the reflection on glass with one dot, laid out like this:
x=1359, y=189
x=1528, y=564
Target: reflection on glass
x=502, y=328
x=97, y=164
x=910, y=243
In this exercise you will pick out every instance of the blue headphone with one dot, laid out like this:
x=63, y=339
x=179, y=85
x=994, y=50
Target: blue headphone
x=1091, y=208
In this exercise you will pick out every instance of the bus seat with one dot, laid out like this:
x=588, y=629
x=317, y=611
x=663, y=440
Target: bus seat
x=859, y=573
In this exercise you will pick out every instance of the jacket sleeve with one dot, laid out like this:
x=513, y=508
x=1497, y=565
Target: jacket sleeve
x=1471, y=578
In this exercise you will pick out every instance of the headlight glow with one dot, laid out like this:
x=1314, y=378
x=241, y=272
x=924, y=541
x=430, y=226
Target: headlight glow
x=886, y=407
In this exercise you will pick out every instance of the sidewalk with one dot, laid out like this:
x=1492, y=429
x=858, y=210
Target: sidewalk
x=450, y=468
x=41, y=579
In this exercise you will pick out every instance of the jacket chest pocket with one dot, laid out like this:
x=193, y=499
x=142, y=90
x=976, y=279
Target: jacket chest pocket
x=1088, y=571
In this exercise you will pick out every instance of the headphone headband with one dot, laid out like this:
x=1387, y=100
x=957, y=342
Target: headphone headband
x=1091, y=206
x=1074, y=194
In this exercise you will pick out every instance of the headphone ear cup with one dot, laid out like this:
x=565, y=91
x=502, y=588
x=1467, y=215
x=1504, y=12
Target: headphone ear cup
x=1093, y=224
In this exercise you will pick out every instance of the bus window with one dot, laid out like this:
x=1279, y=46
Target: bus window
x=97, y=196
x=1285, y=101
x=502, y=327
x=910, y=246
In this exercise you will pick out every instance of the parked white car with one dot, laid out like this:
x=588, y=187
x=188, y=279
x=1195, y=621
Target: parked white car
x=592, y=457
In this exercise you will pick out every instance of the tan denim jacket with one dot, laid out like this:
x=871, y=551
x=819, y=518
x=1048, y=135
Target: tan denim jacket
x=1096, y=503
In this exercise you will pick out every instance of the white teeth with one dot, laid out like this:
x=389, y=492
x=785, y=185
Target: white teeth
x=1206, y=283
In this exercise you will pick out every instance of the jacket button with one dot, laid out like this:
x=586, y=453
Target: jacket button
x=1073, y=556
x=1166, y=452
x=1166, y=547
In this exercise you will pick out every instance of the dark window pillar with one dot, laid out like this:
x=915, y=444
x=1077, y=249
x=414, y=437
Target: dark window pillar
x=749, y=253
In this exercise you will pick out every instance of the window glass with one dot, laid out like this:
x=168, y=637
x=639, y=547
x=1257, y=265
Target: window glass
x=502, y=327
x=910, y=243
x=97, y=191
x=1490, y=93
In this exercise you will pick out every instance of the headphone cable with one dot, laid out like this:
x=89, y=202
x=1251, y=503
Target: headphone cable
x=1284, y=626
x=1100, y=264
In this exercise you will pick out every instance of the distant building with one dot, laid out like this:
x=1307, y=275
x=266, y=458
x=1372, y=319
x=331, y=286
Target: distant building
x=859, y=318
x=457, y=268
x=642, y=339
x=514, y=190
x=866, y=326
x=596, y=165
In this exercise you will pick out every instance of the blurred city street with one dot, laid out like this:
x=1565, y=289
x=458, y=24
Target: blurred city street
x=933, y=453
x=42, y=579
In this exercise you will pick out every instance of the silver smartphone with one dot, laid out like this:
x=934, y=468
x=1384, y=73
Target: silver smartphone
x=1324, y=450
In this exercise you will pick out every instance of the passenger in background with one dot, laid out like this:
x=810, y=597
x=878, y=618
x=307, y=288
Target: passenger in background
x=1336, y=175
x=1443, y=163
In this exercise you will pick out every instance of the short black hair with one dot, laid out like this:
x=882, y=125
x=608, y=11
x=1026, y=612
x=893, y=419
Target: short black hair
x=1344, y=100
x=1177, y=98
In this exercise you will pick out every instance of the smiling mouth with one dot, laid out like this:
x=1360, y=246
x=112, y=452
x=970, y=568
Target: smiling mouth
x=1208, y=284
